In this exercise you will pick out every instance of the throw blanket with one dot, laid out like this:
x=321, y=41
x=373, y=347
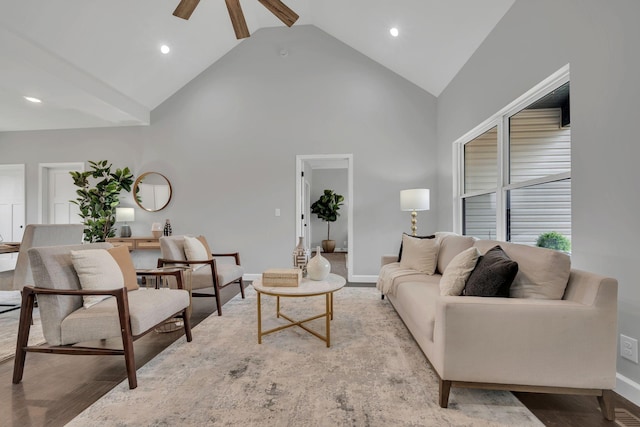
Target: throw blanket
x=388, y=275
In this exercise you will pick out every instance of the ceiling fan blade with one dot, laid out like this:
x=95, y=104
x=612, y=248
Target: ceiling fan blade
x=281, y=11
x=185, y=8
x=237, y=19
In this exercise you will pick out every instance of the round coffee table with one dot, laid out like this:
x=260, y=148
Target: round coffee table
x=306, y=288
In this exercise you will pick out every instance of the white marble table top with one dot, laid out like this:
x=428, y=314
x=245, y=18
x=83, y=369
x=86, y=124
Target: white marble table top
x=307, y=287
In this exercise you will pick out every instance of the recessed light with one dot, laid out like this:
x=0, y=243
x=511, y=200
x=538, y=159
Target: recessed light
x=165, y=49
x=32, y=99
x=394, y=32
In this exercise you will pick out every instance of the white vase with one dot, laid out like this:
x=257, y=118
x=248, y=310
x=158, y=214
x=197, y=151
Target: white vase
x=318, y=267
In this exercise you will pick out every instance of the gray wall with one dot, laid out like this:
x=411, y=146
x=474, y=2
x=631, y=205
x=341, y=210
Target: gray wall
x=228, y=141
x=600, y=41
x=336, y=180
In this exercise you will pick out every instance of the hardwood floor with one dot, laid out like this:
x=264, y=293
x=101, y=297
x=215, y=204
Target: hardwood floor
x=56, y=388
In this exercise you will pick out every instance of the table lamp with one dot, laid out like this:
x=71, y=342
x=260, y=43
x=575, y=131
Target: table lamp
x=124, y=215
x=415, y=199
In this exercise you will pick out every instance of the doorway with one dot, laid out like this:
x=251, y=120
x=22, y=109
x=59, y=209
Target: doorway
x=12, y=198
x=56, y=190
x=319, y=165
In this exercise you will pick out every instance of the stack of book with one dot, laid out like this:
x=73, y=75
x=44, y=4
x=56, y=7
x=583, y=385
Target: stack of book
x=282, y=277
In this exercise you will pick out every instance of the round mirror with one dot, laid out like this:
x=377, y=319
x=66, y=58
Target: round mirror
x=152, y=191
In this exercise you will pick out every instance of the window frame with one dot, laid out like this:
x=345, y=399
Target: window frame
x=501, y=121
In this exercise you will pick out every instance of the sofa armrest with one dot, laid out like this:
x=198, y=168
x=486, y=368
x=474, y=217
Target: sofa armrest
x=388, y=259
x=525, y=341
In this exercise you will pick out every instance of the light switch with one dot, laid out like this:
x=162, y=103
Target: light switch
x=277, y=212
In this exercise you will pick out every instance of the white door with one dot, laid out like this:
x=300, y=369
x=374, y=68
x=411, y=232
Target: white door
x=12, y=212
x=57, y=192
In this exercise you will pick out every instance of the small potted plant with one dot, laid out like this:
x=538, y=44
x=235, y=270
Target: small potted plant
x=327, y=207
x=554, y=240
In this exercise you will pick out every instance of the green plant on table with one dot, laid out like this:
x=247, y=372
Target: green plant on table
x=98, y=195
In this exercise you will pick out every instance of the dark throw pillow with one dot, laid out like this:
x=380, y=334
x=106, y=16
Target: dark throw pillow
x=432, y=236
x=492, y=276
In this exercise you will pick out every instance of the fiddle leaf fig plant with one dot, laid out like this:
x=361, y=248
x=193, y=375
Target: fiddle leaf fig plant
x=327, y=207
x=98, y=195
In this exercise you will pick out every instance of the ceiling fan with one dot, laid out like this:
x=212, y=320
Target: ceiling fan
x=279, y=9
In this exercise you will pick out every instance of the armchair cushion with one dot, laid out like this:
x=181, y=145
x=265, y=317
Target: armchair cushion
x=97, y=270
x=147, y=308
x=123, y=258
x=194, y=250
x=206, y=246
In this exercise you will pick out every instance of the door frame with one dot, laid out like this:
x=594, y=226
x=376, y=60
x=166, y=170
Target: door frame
x=22, y=169
x=328, y=158
x=43, y=187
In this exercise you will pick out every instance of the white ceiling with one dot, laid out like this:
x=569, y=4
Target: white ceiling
x=96, y=63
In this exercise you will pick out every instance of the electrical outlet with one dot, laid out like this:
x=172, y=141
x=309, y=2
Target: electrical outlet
x=629, y=348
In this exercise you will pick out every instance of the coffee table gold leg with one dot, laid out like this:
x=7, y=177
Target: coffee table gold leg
x=328, y=321
x=259, y=320
x=331, y=296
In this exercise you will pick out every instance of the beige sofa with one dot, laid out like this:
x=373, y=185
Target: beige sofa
x=521, y=343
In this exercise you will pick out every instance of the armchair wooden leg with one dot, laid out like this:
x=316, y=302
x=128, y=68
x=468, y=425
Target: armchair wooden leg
x=127, y=340
x=445, y=388
x=607, y=405
x=187, y=325
x=218, y=304
x=26, y=318
x=241, y=287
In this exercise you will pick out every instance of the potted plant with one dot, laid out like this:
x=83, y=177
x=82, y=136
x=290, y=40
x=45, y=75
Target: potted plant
x=554, y=240
x=98, y=203
x=327, y=207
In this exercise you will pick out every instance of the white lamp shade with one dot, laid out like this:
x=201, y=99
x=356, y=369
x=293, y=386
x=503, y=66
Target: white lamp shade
x=416, y=199
x=125, y=214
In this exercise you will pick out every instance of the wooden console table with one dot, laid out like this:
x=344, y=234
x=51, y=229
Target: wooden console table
x=136, y=243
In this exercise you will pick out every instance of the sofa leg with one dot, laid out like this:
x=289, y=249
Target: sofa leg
x=607, y=405
x=445, y=388
x=382, y=296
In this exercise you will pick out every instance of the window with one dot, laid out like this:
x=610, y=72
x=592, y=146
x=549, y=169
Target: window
x=514, y=181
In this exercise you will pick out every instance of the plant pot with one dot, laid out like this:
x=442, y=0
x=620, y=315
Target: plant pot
x=328, y=246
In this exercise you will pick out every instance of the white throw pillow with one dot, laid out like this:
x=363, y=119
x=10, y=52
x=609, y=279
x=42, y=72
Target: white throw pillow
x=97, y=270
x=194, y=250
x=458, y=271
x=419, y=254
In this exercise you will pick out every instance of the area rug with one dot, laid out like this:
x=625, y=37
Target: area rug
x=9, y=327
x=373, y=374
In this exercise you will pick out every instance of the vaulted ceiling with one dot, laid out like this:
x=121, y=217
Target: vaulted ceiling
x=98, y=63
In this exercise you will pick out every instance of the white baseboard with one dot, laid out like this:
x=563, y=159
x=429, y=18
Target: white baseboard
x=251, y=277
x=628, y=389
x=362, y=278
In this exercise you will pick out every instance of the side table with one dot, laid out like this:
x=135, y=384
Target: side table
x=182, y=275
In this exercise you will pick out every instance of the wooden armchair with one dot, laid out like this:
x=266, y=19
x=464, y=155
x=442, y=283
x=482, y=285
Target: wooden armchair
x=214, y=270
x=65, y=321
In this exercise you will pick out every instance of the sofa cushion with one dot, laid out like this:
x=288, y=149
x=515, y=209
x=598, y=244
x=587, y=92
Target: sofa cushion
x=451, y=244
x=97, y=270
x=431, y=236
x=458, y=271
x=542, y=273
x=493, y=275
x=419, y=254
